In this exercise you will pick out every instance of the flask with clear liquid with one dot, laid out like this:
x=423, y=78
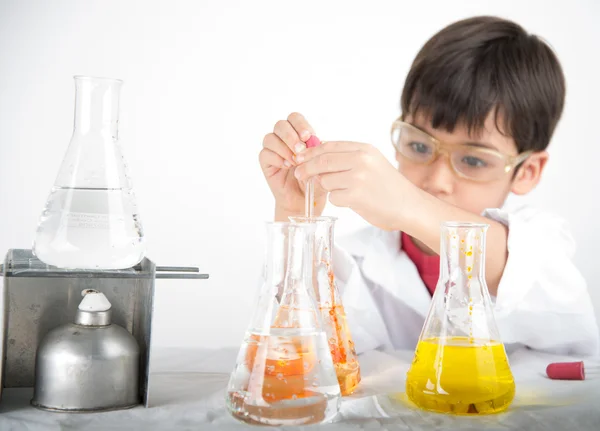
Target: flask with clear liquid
x=460, y=364
x=90, y=220
x=330, y=305
x=284, y=374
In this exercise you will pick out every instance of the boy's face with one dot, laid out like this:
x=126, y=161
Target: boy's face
x=440, y=180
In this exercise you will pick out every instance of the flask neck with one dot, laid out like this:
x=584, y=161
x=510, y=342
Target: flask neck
x=300, y=252
x=298, y=308
x=323, y=276
x=462, y=254
x=324, y=241
x=276, y=254
x=461, y=310
x=323, y=233
x=97, y=106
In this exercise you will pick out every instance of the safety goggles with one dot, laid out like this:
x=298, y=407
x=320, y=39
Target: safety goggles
x=468, y=161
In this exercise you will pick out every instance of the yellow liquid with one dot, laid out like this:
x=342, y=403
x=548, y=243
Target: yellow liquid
x=460, y=375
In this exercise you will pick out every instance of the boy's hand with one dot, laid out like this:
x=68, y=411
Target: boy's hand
x=277, y=160
x=358, y=176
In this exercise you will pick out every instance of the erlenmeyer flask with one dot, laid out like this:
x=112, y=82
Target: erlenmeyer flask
x=460, y=364
x=284, y=373
x=330, y=304
x=90, y=220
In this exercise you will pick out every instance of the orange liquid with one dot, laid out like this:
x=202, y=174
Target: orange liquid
x=340, y=341
x=288, y=356
x=284, y=380
x=287, y=362
x=342, y=348
x=348, y=376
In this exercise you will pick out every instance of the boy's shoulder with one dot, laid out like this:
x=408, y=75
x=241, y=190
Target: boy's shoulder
x=533, y=226
x=521, y=220
x=523, y=212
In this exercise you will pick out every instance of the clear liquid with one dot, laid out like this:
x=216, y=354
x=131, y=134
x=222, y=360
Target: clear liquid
x=284, y=378
x=460, y=375
x=90, y=229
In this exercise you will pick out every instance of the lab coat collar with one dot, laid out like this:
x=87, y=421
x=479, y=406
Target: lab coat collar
x=362, y=243
x=384, y=263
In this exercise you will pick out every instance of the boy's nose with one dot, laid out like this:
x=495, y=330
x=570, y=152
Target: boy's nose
x=440, y=177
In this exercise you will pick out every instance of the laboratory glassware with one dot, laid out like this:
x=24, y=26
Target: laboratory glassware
x=91, y=220
x=460, y=364
x=330, y=304
x=284, y=374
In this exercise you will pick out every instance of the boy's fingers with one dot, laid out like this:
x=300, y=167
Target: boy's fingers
x=284, y=130
x=301, y=126
x=330, y=147
x=269, y=159
x=334, y=181
x=325, y=163
x=299, y=123
x=341, y=198
x=273, y=143
x=319, y=190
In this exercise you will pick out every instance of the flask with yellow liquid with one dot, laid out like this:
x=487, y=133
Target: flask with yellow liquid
x=460, y=364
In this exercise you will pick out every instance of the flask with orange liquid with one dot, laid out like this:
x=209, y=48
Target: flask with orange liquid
x=330, y=305
x=284, y=373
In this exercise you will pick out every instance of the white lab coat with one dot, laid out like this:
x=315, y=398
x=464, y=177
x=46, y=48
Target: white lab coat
x=542, y=300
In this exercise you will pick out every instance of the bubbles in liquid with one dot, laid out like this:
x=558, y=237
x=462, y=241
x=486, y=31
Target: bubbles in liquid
x=90, y=229
x=279, y=381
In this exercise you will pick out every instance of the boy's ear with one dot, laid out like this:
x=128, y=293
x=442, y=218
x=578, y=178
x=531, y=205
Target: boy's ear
x=529, y=173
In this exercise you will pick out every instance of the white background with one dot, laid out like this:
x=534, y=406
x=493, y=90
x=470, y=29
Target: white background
x=205, y=81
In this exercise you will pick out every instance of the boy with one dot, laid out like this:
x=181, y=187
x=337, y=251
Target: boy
x=479, y=107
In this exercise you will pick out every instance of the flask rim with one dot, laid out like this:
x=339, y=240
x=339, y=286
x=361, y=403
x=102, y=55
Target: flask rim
x=319, y=219
x=97, y=78
x=461, y=224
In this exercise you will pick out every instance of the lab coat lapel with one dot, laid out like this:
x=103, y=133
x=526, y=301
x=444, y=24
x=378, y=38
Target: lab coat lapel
x=384, y=264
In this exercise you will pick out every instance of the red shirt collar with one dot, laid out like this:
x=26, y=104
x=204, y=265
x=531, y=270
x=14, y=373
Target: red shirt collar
x=428, y=266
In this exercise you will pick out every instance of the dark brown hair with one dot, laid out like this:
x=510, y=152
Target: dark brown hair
x=482, y=65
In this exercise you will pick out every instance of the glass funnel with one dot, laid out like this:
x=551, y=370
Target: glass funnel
x=460, y=364
x=330, y=304
x=284, y=374
x=90, y=220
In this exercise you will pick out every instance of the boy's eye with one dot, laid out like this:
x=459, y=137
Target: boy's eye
x=474, y=162
x=419, y=147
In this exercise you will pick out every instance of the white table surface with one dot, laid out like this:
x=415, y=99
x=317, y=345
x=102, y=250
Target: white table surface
x=188, y=388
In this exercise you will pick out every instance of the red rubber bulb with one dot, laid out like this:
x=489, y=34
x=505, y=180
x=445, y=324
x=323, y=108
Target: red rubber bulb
x=313, y=141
